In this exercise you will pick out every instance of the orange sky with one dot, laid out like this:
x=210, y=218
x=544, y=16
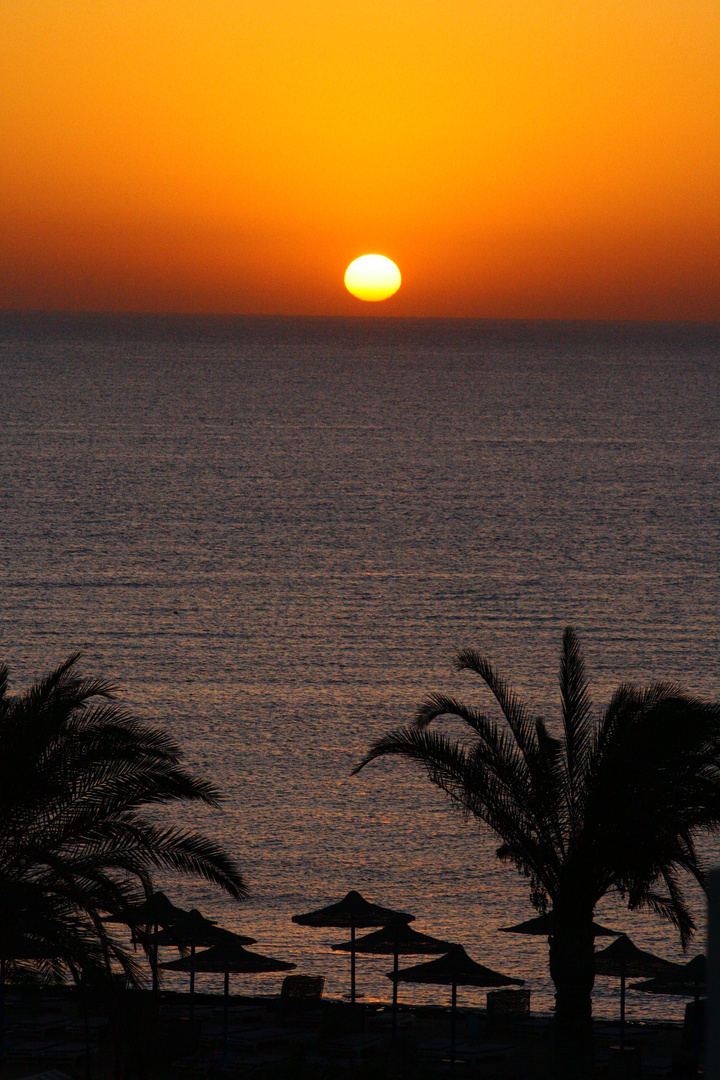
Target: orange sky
x=516, y=158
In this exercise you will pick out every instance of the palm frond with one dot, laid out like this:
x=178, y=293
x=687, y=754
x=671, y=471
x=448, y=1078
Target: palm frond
x=485, y=782
x=76, y=774
x=436, y=705
x=617, y=803
x=578, y=729
x=513, y=708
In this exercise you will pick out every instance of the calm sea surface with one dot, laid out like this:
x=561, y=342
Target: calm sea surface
x=274, y=535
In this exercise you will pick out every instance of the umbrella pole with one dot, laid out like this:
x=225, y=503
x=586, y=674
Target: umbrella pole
x=622, y=1011
x=395, y=986
x=352, y=963
x=226, y=1004
x=192, y=982
x=2, y=1010
x=452, y=1027
x=155, y=979
x=86, y=1025
x=697, y=1026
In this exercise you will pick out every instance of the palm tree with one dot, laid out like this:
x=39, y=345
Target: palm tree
x=76, y=773
x=615, y=803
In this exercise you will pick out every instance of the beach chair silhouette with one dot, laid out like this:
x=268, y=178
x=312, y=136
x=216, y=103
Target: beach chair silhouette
x=299, y=991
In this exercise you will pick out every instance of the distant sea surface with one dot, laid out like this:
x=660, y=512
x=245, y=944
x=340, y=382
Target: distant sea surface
x=274, y=535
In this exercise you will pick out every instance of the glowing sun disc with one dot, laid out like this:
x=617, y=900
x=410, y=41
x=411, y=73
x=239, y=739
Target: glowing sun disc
x=372, y=277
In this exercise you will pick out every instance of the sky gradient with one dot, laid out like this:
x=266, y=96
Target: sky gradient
x=515, y=158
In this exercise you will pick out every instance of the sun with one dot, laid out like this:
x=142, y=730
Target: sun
x=372, y=277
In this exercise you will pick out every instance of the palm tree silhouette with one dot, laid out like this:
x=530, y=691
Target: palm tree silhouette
x=76, y=773
x=615, y=803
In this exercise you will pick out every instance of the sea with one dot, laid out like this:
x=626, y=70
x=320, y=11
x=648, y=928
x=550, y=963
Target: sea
x=273, y=535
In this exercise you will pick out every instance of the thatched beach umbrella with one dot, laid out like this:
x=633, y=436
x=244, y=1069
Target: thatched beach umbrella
x=542, y=926
x=690, y=980
x=396, y=938
x=624, y=960
x=225, y=959
x=353, y=912
x=454, y=969
x=154, y=912
x=190, y=928
x=193, y=931
x=155, y=908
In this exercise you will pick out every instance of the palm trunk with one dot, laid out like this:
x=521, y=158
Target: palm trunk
x=572, y=968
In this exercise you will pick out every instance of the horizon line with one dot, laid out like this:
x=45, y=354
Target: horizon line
x=368, y=318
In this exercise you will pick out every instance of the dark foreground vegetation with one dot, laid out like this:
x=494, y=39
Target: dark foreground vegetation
x=593, y=805
x=76, y=775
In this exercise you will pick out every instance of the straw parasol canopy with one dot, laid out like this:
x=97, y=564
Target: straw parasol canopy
x=690, y=980
x=542, y=925
x=154, y=912
x=229, y=958
x=226, y=958
x=194, y=930
x=395, y=938
x=454, y=969
x=353, y=912
x=624, y=960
